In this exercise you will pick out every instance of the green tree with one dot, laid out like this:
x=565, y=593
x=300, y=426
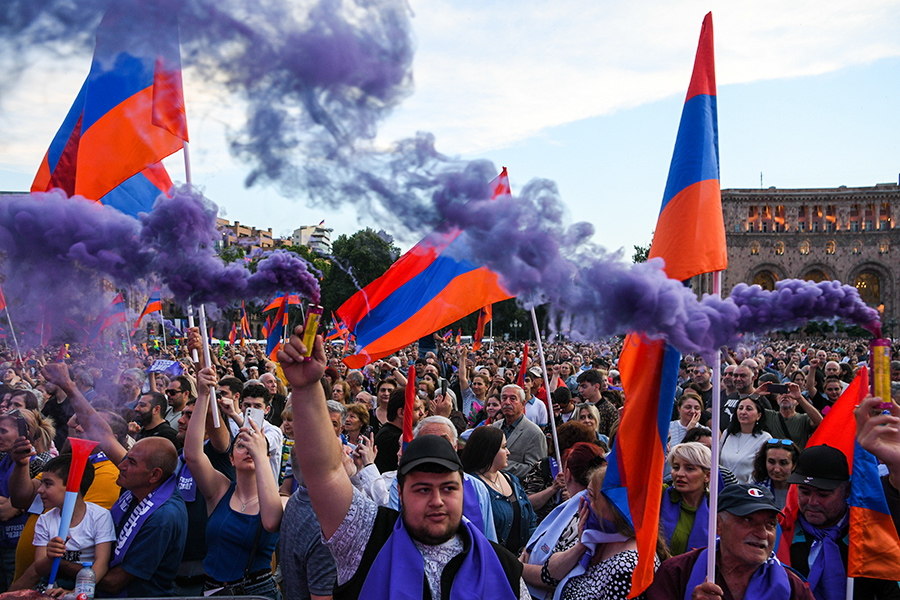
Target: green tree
x=356, y=261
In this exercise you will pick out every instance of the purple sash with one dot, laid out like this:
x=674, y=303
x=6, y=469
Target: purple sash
x=10, y=530
x=139, y=515
x=398, y=572
x=769, y=582
x=670, y=511
x=471, y=508
x=554, y=468
x=186, y=484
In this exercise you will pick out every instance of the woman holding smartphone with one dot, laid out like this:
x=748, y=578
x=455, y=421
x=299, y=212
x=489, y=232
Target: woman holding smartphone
x=245, y=514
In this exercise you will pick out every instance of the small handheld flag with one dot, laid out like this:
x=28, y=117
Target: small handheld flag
x=409, y=406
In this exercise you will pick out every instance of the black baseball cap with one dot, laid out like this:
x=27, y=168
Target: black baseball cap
x=429, y=449
x=742, y=499
x=821, y=467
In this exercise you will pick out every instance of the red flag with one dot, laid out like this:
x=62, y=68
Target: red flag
x=521, y=379
x=233, y=334
x=2, y=300
x=484, y=317
x=410, y=405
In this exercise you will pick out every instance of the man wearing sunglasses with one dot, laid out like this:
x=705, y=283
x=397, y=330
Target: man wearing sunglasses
x=179, y=392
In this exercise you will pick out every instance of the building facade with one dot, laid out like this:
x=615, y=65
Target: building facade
x=245, y=235
x=316, y=237
x=837, y=234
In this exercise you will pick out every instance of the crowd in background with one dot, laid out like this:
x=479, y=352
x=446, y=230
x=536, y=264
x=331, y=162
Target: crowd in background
x=171, y=504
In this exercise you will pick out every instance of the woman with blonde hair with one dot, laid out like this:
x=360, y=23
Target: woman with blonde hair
x=684, y=511
x=588, y=414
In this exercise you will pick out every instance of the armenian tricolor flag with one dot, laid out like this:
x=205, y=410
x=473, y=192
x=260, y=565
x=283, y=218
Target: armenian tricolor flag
x=128, y=115
x=114, y=313
x=431, y=286
x=154, y=304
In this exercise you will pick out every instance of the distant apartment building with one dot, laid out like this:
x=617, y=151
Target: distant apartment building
x=315, y=237
x=243, y=235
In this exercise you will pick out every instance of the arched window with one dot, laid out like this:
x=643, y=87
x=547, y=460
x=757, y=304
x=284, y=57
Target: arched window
x=857, y=247
x=754, y=248
x=779, y=248
x=884, y=246
x=869, y=286
x=829, y=247
x=816, y=275
x=766, y=280
x=804, y=247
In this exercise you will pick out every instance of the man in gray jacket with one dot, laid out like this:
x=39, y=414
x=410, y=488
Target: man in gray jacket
x=524, y=440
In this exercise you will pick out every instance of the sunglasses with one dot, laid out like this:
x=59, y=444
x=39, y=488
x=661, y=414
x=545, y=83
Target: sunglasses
x=774, y=442
x=173, y=392
x=583, y=405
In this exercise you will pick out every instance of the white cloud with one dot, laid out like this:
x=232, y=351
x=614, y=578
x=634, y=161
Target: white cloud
x=491, y=74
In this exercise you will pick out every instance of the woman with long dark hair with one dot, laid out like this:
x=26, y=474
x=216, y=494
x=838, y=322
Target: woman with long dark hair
x=485, y=456
x=743, y=439
x=774, y=463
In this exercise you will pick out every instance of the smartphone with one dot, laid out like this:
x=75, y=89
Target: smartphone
x=256, y=415
x=21, y=423
x=778, y=388
x=501, y=371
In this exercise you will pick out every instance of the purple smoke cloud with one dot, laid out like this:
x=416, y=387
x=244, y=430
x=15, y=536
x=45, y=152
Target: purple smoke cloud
x=60, y=250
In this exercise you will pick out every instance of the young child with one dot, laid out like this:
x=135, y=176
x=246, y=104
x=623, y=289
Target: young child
x=92, y=532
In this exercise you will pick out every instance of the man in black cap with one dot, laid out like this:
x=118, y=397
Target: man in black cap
x=746, y=567
x=379, y=552
x=819, y=544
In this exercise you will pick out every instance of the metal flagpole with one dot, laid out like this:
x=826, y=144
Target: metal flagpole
x=208, y=359
x=162, y=323
x=13, y=332
x=716, y=432
x=206, y=356
x=550, y=417
x=850, y=582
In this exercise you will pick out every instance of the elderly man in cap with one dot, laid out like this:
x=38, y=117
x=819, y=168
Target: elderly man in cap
x=379, y=552
x=746, y=567
x=819, y=540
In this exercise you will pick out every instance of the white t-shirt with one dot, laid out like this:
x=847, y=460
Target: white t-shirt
x=95, y=528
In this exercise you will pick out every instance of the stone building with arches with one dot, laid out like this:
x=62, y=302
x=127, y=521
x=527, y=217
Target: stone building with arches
x=837, y=234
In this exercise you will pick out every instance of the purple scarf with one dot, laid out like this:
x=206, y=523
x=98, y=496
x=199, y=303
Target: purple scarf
x=139, y=515
x=827, y=575
x=398, y=572
x=670, y=511
x=471, y=508
x=769, y=582
x=596, y=532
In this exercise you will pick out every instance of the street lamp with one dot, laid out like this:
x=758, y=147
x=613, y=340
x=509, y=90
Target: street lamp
x=515, y=325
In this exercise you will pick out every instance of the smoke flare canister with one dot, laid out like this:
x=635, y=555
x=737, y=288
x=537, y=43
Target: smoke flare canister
x=313, y=316
x=880, y=364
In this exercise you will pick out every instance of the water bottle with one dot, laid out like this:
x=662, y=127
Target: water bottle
x=85, y=582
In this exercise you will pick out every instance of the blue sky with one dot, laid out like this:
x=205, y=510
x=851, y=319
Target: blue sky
x=588, y=96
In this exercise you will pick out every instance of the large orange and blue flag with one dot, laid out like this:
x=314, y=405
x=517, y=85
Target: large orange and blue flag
x=690, y=237
x=128, y=116
x=690, y=230
x=276, y=332
x=154, y=304
x=633, y=482
x=874, y=546
x=433, y=285
x=232, y=335
x=112, y=314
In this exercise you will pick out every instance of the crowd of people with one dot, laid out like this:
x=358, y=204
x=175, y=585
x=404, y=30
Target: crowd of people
x=248, y=476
